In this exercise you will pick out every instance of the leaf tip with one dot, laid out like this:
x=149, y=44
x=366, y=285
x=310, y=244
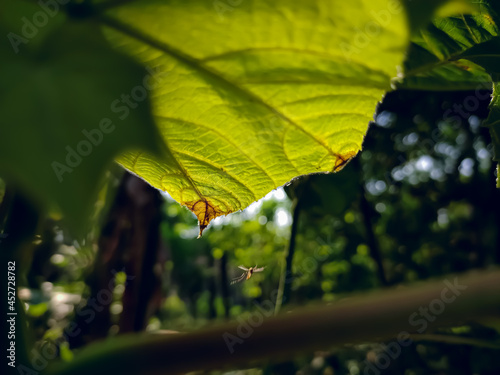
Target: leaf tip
x=205, y=211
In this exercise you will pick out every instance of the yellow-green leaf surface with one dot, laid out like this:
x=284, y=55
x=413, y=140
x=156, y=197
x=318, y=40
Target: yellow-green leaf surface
x=259, y=93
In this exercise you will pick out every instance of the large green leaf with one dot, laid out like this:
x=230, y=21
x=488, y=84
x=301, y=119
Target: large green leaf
x=253, y=93
x=259, y=93
x=58, y=130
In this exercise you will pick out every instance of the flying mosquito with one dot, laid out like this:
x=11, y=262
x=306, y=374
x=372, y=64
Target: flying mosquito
x=247, y=274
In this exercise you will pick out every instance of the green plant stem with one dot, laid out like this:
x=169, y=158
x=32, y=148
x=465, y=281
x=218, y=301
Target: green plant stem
x=286, y=274
x=381, y=315
x=368, y=214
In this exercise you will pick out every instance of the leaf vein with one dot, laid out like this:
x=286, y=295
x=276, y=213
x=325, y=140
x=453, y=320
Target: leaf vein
x=226, y=139
x=212, y=164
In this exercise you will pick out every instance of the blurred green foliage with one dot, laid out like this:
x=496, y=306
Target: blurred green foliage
x=414, y=189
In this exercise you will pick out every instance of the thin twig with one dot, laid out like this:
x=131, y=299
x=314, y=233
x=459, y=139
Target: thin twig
x=286, y=274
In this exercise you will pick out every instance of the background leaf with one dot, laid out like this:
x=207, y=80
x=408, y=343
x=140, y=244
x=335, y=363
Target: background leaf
x=437, y=53
x=58, y=101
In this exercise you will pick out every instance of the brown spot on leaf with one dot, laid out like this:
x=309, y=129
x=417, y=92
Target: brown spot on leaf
x=205, y=212
x=342, y=160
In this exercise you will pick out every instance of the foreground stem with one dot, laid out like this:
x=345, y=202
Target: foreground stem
x=376, y=316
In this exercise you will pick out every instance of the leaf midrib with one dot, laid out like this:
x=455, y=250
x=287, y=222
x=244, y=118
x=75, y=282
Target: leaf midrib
x=197, y=65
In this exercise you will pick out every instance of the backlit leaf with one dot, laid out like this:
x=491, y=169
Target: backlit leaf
x=258, y=93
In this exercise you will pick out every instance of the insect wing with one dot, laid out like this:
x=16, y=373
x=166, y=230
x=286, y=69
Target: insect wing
x=239, y=278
